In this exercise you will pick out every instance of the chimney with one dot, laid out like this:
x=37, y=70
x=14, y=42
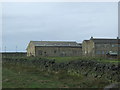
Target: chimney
x=91, y=38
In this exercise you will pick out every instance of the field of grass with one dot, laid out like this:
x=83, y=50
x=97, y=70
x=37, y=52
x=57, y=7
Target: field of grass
x=14, y=79
x=66, y=59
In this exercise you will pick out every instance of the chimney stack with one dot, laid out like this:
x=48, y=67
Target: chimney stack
x=91, y=38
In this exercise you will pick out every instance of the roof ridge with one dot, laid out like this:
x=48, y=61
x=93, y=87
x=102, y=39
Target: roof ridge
x=55, y=43
x=52, y=41
x=105, y=38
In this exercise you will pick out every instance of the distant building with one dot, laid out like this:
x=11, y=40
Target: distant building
x=101, y=47
x=13, y=54
x=54, y=48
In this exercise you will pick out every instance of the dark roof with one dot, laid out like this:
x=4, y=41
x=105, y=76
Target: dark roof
x=87, y=40
x=55, y=43
x=13, y=52
x=105, y=41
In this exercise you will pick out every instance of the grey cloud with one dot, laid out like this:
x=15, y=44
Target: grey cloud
x=23, y=22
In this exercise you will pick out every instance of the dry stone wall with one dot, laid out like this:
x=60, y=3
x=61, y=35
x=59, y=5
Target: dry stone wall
x=88, y=68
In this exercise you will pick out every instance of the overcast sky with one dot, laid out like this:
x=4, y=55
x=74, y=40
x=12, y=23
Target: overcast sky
x=76, y=21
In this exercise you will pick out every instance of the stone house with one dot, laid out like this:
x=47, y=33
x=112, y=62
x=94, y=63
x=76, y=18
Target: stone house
x=54, y=48
x=100, y=46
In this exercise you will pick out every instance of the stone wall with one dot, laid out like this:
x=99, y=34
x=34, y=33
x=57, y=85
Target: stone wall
x=90, y=68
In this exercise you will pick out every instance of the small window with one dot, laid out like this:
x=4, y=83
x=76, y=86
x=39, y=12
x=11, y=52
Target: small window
x=116, y=45
x=119, y=45
x=98, y=52
x=40, y=52
x=103, y=52
x=113, y=45
x=55, y=51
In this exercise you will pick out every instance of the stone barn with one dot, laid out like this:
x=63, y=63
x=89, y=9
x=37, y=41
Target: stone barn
x=100, y=46
x=54, y=48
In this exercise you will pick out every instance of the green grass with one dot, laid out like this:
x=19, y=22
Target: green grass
x=67, y=59
x=63, y=59
x=14, y=79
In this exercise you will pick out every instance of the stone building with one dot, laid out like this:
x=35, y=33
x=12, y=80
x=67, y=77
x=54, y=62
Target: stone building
x=54, y=48
x=100, y=46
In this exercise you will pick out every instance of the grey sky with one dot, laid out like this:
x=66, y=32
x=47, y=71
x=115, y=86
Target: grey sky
x=23, y=22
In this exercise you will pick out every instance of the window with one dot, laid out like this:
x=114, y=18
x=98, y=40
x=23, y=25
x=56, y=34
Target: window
x=114, y=45
x=45, y=53
x=40, y=52
x=103, y=52
x=98, y=52
x=55, y=51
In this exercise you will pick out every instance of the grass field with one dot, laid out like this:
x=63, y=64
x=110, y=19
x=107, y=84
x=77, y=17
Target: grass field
x=30, y=77
x=65, y=59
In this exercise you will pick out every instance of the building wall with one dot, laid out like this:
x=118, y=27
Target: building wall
x=31, y=50
x=103, y=49
x=58, y=51
x=88, y=48
x=84, y=48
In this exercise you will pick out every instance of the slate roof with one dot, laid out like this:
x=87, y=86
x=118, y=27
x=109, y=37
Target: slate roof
x=54, y=43
x=105, y=41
